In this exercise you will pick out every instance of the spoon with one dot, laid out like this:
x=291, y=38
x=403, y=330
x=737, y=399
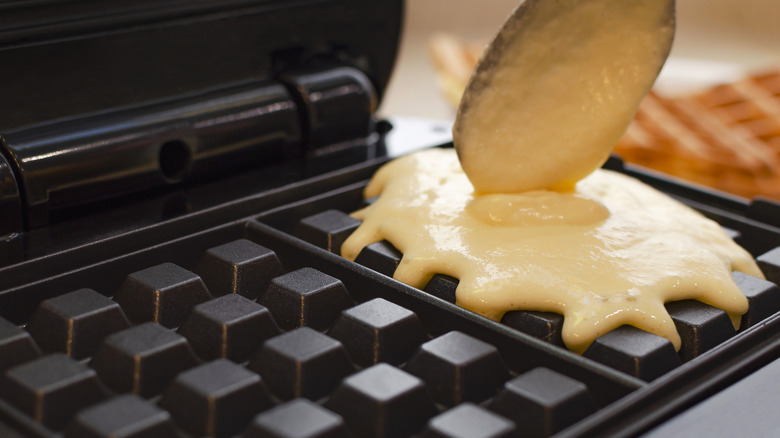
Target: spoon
x=556, y=89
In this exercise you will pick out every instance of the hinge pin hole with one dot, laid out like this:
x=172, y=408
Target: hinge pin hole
x=175, y=159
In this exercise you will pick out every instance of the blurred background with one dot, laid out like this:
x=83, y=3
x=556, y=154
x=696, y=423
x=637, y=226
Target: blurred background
x=716, y=41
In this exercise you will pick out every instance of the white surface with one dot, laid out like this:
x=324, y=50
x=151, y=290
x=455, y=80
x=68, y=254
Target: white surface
x=716, y=41
x=413, y=133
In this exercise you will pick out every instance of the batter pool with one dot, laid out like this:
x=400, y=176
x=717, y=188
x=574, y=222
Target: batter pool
x=609, y=252
x=530, y=225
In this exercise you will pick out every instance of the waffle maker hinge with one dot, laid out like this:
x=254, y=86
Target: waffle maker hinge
x=337, y=105
x=80, y=160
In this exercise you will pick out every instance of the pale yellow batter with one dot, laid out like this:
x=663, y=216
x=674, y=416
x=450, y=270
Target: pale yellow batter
x=609, y=253
x=547, y=103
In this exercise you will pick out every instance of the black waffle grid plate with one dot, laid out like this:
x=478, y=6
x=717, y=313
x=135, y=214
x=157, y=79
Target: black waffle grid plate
x=154, y=323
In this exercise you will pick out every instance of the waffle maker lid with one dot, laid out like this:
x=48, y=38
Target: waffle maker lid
x=101, y=99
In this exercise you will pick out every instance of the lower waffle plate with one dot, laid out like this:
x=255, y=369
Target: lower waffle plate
x=256, y=327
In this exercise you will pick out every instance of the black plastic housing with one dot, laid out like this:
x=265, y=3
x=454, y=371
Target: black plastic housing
x=104, y=99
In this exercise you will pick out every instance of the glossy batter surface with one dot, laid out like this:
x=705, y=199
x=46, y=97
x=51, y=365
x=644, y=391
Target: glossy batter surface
x=610, y=252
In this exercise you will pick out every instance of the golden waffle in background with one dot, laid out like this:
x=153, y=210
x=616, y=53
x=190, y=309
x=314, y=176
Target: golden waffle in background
x=453, y=60
x=726, y=137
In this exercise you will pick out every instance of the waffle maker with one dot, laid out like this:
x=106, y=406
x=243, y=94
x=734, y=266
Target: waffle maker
x=175, y=181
